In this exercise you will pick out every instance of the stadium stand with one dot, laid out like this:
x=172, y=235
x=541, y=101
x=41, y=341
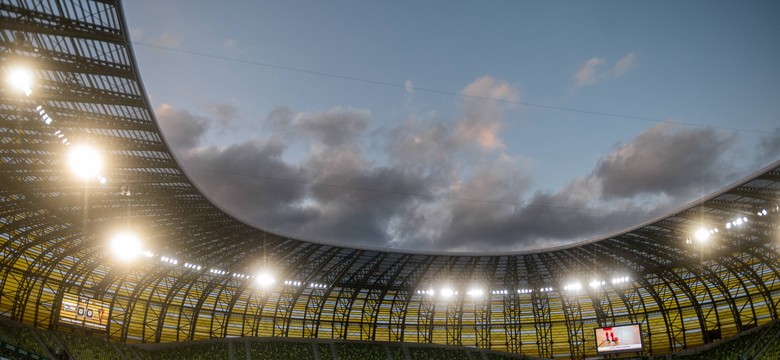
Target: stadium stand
x=690, y=280
x=325, y=352
x=278, y=350
x=349, y=351
x=78, y=345
x=20, y=341
x=82, y=346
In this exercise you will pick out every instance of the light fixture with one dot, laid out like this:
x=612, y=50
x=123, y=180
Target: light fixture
x=573, y=286
x=126, y=246
x=476, y=292
x=85, y=161
x=447, y=292
x=701, y=235
x=596, y=283
x=21, y=79
x=264, y=279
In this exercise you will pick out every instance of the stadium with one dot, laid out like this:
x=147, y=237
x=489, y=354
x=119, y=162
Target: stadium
x=193, y=282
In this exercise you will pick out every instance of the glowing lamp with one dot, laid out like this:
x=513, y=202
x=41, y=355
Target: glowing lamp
x=264, y=279
x=21, y=79
x=702, y=235
x=85, y=162
x=476, y=292
x=126, y=246
x=447, y=293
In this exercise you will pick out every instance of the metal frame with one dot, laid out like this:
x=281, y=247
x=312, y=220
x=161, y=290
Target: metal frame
x=51, y=238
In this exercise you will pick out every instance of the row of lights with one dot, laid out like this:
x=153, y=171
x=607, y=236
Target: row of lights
x=192, y=266
x=127, y=247
x=168, y=260
x=737, y=222
x=477, y=292
x=702, y=235
x=218, y=271
x=84, y=161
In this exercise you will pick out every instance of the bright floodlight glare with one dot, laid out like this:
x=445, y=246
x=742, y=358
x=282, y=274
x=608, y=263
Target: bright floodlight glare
x=21, y=79
x=447, y=292
x=126, y=246
x=85, y=161
x=265, y=279
x=702, y=235
x=476, y=292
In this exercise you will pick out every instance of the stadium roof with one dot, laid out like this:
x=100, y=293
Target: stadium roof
x=705, y=271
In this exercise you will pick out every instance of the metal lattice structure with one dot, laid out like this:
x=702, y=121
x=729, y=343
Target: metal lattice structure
x=53, y=230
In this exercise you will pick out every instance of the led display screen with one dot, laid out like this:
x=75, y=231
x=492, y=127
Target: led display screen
x=618, y=338
x=83, y=311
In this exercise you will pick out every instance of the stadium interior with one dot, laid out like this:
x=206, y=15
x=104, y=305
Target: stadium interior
x=109, y=251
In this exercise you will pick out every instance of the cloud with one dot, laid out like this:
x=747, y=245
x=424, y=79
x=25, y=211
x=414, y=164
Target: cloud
x=587, y=73
x=225, y=114
x=340, y=126
x=438, y=183
x=230, y=43
x=409, y=86
x=665, y=160
x=482, y=111
x=253, y=181
x=656, y=171
x=624, y=64
x=166, y=39
x=182, y=129
x=590, y=72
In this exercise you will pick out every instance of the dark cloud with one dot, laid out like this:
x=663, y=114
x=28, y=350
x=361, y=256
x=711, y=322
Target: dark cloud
x=225, y=114
x=544, y=220
x=439, y=184
x=336, y=127
x=182, y=130
x=663, y=160
x=658, y=170
x=252, y=181
x=420, y=145
x=359, y=206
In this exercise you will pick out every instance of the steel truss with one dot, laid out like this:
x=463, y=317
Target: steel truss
x=87, y=85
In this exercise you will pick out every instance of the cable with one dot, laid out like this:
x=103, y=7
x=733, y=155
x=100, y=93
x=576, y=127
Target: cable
x=442, y=92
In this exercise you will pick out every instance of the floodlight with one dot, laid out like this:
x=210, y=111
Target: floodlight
x=447, y=292
x=476, y=292
x=702, y=235
x=573, y=286
x=21, y=79
x=85, y=161
x=126, y=246
x=596, y=283
x=265, y=279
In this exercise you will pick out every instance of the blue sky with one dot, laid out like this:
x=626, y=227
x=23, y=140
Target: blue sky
x=461, y=126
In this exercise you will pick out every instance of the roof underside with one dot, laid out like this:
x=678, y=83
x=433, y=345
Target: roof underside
x=53, y=231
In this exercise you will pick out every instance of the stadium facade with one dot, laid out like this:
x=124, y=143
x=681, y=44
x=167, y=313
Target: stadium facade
x=197, y=276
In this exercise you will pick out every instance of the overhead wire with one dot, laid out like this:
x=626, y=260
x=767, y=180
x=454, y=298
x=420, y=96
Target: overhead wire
x=440, y=92
x=432, y=91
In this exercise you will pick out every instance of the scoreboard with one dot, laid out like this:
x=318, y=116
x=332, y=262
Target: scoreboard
x=83, y=311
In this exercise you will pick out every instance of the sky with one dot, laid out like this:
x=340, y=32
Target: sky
x=465, y=126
